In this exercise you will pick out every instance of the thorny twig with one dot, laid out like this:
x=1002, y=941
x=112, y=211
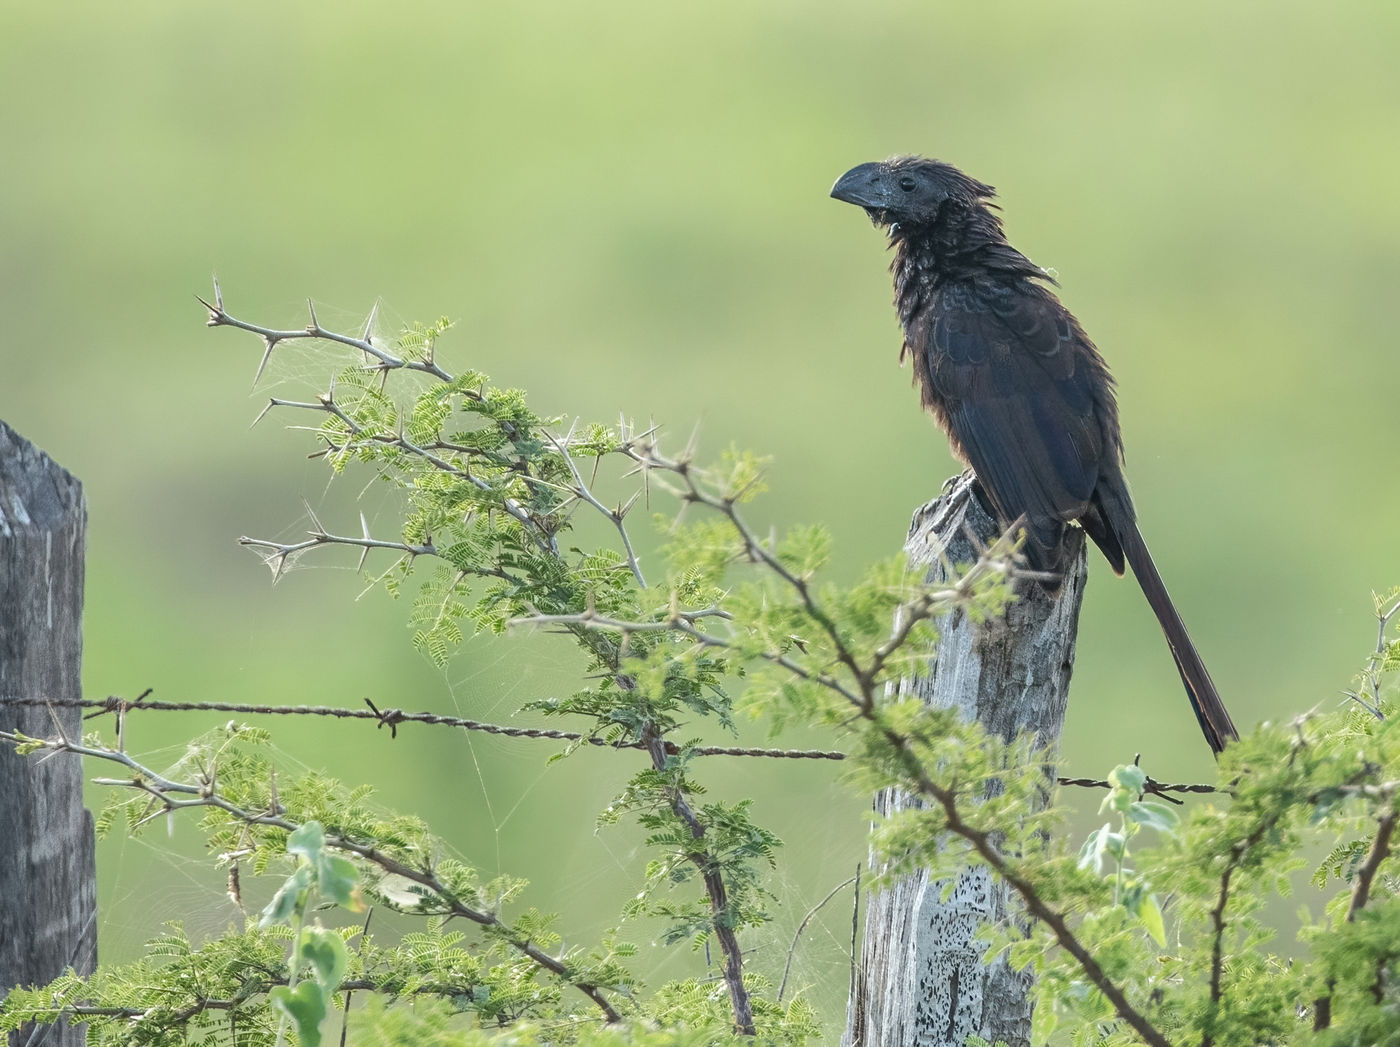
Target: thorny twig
x=384, y=361
x=204, y=794
x=1385, y=611
x=542, y=529
x=862, y=692
x=616, y=516
x=1360, y=895
x=864, y=699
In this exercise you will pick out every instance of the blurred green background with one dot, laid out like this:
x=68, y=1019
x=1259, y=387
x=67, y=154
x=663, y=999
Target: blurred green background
x=625, y=207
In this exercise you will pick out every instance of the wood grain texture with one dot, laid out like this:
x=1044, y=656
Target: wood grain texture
x=47, y=877
x=921, y=978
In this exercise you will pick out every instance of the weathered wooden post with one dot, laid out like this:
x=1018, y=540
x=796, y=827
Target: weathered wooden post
x=921, y=978
x=48, y=897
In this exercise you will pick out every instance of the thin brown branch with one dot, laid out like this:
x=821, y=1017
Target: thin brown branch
x=1219, y=924
x=252, y=988
x=683, y=622
x=983, y=844
x=1360, y=895
x=277, y=555
x=203, y=795
x=1217, y=948
x=1041, y=910
x=384, y=360
x=356, y=431
x=720, y=916
x=1384, y=614
x=616, y=516
x=1380, y=850
x=757, y=551
x=924, y=606
x=349, y=991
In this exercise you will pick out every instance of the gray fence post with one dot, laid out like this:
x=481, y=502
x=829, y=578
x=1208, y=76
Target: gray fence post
x=48, y=895
x=921, y=978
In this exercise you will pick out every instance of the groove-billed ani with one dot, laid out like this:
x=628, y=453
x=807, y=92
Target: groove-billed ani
x=1009, y=374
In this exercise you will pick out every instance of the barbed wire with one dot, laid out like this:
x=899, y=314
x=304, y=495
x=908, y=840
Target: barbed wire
x=1151, y=786
x=393, y=718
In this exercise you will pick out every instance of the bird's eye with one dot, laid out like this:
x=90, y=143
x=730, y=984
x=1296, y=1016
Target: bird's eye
x=907, y=184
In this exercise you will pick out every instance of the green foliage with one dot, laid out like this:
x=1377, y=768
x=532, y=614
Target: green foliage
x=689, y=1014
x=1104, y=845
x=304, y=1002
x=1158, y=938
x=1219, y=977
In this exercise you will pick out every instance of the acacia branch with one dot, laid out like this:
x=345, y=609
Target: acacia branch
x=1384, y=614
x=384, y=360
x=1380, y=850
x=251, y=988
x=926, y=605
x=203, y=794
x=704, y=861
x=647, y=454
x=1217, y=949
x=356, y=431
x=981, y=841
x=1360, y=895
x=683, y=622
x=616, y=516
x=279, y=554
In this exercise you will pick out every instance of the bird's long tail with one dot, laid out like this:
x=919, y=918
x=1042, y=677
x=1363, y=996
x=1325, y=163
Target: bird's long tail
x=1215, y=721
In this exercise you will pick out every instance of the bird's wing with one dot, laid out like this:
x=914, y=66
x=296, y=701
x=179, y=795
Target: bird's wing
x=1017, y=378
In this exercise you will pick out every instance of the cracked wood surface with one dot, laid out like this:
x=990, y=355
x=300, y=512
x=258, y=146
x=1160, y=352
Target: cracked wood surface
x=921, y=979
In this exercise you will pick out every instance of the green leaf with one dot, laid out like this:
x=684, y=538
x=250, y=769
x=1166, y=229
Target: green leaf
x=305, y=1006
x=307, y=841
x=1150, y=914
x=1154, y=815
x=1126, y=781
x=1128, y=776
x=1102, y=842
x=326, y=953
x=338, y=880
x=289, y=897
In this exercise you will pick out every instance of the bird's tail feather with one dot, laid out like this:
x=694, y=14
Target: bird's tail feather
x=1205, y=699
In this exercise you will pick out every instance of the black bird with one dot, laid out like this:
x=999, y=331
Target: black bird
x=1014, y=381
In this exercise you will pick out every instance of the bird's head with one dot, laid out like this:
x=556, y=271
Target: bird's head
x=909, y=191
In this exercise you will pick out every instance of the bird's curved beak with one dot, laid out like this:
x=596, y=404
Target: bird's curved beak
x=863, y=186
